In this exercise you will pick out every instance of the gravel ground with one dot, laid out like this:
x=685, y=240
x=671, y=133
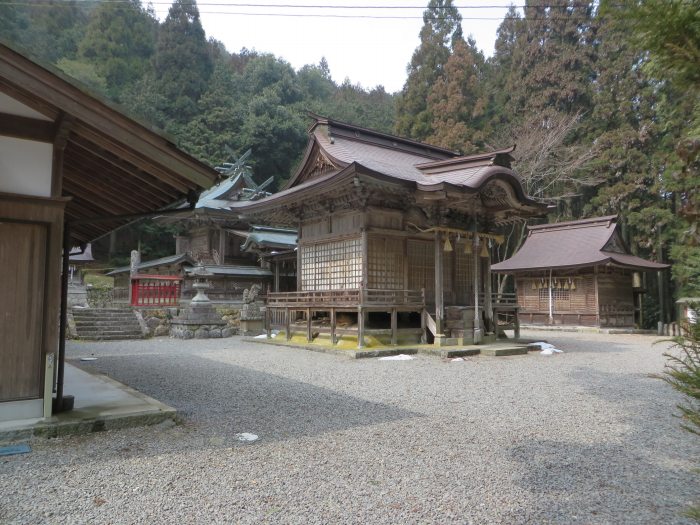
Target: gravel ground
x=580, y=437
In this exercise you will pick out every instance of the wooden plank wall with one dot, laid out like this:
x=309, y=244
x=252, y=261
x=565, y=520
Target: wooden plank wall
x=580, y=301
x=30, y=258
x=23, y=263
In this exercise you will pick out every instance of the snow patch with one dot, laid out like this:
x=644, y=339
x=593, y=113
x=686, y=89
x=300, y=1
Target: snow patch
x=246, y=437
x=547, y=349
x=400, y=357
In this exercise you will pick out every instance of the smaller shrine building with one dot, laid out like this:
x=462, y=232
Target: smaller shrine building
x=578, y=273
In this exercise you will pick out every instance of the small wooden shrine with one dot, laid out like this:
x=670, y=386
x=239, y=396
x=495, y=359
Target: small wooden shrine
x=394, y=237
x=236, y=254
x=578, y=273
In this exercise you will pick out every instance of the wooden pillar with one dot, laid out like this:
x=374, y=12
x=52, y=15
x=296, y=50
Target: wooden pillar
x=222, y=246
x=423, y=321
x=516, y=322
x=333, y=326
x=477, y=318
x=268, y=322
x=299, y=268
x=309, y=335
x=439, y=298
x=597, y=302
x=287, y=324
x=394, y=327
x=551, y=309
x=488, y=303
x=276, y=284
x=360, y=327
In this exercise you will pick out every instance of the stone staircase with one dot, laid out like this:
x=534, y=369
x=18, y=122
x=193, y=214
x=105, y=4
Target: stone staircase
x=104, y=324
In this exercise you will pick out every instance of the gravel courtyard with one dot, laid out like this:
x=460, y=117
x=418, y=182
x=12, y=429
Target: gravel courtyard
x=580, y=437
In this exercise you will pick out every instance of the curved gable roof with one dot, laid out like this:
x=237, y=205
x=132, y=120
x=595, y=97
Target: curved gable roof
x=573, y=244
x=336, y=148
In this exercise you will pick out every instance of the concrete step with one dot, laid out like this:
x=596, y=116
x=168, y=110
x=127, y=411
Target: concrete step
x=496, y=351
x=110, y=331
x=104, y=315
x=106, y=322
x=110, y=337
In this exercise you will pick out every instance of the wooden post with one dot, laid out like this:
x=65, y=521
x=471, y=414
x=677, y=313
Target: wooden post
x=268, y=322
x=516, y=322
x=287, y=324
x=597, y=302
x=439, y=299
x=477, y=319
x=394, y=327
x=333, y=327
x=423, y=327
x=276, y=283
x=309, y=335
x=222, y=246
x=551, y=313
x=488, y=302
x=360, y=327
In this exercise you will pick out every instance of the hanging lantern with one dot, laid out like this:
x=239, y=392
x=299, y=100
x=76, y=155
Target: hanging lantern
x=448, y=245
x=467, y=247
x=573, y=284
x=566, y=286
x=534, y=285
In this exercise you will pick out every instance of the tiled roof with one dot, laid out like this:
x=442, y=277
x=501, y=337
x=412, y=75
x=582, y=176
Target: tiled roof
x=170, y=259
x=573, y=244
x=243, y=271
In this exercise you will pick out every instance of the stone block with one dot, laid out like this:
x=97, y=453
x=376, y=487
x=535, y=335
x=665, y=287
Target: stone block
x=201, y=333
x=227, y=332
x=161, y=330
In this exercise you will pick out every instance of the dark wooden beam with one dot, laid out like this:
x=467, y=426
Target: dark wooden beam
x=114, y=175
x=127, y=166
x=61, y=132
x=26, y=128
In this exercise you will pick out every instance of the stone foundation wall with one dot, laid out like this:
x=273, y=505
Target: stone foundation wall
x=158, y=321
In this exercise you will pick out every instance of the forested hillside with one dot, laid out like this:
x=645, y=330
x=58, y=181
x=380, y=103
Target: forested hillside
x=215, y=103
x=601, y=98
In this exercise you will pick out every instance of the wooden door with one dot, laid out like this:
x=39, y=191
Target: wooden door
x=23, y=250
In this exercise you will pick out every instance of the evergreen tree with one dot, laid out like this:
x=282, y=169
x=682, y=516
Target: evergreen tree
x=623, y=127
x=119, y=42
x=670, y=32
x=499, y=68
x=215, y=129
x=441, y=28
x=553, y=60
x=456, y=101
x=183, y=62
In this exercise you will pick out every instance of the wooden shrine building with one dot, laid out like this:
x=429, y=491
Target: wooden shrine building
x=72, y=168
x=394, y=236
x=578, y=273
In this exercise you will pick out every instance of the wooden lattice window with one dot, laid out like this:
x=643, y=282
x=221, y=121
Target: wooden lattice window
x=561, y=299
x=464, y=277
x=421, y=267
x=332, y=265
x=385, y=263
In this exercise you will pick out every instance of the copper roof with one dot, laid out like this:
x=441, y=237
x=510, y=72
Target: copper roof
x=574, y=244
x=338, y=152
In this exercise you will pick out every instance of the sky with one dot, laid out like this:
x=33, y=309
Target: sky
x=357, y=37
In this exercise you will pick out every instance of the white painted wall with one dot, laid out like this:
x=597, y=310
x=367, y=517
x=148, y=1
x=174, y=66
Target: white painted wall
x=25, y=167
x=15, y=107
